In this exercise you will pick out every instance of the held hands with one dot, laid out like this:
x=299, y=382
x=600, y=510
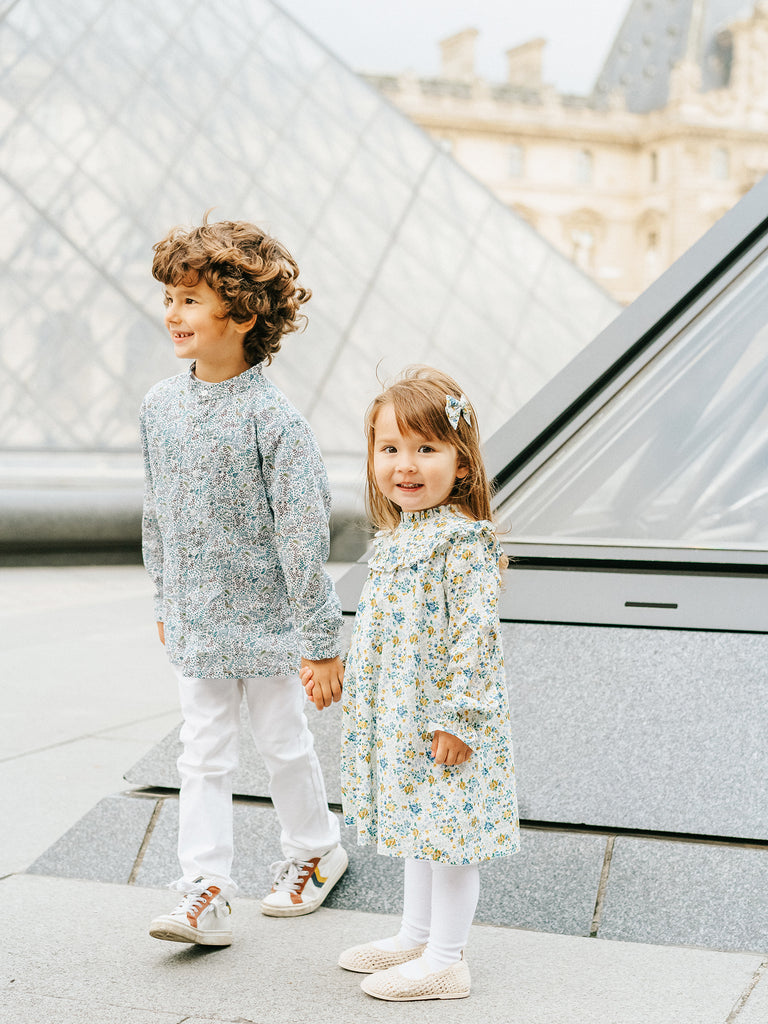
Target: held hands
x=449, y=749
x=322, y=680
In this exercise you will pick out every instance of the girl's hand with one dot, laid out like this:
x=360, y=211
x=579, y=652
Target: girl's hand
x=307, y=680
x=161, y=632
x=449, y=749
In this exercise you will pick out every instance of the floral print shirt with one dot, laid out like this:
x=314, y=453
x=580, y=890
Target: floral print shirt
x=235, y=528
x=426, y=655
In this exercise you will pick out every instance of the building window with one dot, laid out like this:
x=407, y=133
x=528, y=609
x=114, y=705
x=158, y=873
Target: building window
x=654, y=166
x=721, y=163
x=516, y=161
x=584, y=168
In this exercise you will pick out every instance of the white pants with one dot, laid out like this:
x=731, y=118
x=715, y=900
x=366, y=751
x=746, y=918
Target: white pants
x=210, y=733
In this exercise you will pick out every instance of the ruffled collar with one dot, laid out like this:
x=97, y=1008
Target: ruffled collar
x=417, y=537
x=426, y=514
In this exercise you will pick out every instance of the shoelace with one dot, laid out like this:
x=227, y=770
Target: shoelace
x=290, y=875
x=194, y=901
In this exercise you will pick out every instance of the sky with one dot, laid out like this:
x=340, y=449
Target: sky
x=390, y=36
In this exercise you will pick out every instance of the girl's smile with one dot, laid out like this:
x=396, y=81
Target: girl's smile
x=414, y=472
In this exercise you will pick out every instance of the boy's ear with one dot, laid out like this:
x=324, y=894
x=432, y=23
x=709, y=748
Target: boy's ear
x=245, y=326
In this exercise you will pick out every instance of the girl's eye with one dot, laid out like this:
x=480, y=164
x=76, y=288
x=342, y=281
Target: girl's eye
x=389, y=449
x=189, y=300
x=426, y=448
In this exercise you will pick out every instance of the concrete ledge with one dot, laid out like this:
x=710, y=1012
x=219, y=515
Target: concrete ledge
x=84, y=955
x=56, y=500
x=564, y=881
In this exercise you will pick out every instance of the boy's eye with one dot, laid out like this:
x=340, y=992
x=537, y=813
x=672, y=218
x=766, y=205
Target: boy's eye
x=426, y=448
x=189, y=300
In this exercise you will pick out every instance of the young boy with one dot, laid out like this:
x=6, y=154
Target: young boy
x=235, y=537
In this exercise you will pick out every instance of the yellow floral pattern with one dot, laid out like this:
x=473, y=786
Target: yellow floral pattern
x=426, y=655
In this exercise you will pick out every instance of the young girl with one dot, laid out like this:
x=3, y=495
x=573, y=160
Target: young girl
x=426, y=762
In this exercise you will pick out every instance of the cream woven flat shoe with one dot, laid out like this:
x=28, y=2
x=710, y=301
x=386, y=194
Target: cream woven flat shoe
x=367, y=959
x=449, y=983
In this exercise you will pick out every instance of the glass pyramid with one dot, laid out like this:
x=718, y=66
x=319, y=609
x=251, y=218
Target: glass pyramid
x=671, y=451
x=120, y=118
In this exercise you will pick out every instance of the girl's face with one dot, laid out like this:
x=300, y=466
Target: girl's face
x=413, y=471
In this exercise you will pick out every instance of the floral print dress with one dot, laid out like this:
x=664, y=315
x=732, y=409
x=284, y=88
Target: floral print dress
x=426, y=655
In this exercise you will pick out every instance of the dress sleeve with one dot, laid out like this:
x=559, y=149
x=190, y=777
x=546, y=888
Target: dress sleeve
x=298, y=493
x=467, y=693
x=151, y=538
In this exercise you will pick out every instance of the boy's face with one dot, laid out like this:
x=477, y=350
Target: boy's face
x=199, y=330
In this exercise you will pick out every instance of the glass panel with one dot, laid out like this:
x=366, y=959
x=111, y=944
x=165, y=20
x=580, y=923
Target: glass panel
x=680, y=455
x=376, y=191
x=234, y=106
x=454, y=195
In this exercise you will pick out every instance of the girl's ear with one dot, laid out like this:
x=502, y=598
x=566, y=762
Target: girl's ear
x=462, y=472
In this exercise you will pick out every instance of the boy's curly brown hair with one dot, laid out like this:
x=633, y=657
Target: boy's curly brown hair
x=251, y=273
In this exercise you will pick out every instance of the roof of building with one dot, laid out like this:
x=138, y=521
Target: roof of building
x=658, y=34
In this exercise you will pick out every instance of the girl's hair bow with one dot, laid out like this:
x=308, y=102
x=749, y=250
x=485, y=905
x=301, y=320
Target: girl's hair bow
x=455, y=408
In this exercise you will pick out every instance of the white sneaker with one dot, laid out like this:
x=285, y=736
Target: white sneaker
x=203, y=916
x=300, y=886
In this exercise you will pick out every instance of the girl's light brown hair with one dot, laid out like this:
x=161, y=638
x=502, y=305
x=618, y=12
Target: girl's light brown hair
x=418, y=399
x=248, y=270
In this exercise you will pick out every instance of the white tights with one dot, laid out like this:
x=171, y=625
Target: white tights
x=439, y=903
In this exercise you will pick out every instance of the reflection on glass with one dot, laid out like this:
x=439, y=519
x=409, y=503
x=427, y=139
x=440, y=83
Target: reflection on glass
x=680, y=455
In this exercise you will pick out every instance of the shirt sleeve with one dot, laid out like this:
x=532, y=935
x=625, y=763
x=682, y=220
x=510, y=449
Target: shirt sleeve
x=466, y=699
x=151, y=538
x=297, y=489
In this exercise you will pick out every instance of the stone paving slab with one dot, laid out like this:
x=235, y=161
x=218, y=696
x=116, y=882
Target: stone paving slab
x=695, y=893
x=755, y=1009
x=23, y=1007
x=103, y=845
x=550, y=885
x=85, y=947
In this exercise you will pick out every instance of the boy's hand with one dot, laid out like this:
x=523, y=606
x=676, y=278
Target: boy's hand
x=449, y=749
x=322, y=680
x=161, y=632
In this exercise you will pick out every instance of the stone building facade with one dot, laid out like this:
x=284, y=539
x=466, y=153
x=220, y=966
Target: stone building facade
x=624, y=180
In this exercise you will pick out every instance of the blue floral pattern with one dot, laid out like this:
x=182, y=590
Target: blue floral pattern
x=235, y=528
x=426, y=655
